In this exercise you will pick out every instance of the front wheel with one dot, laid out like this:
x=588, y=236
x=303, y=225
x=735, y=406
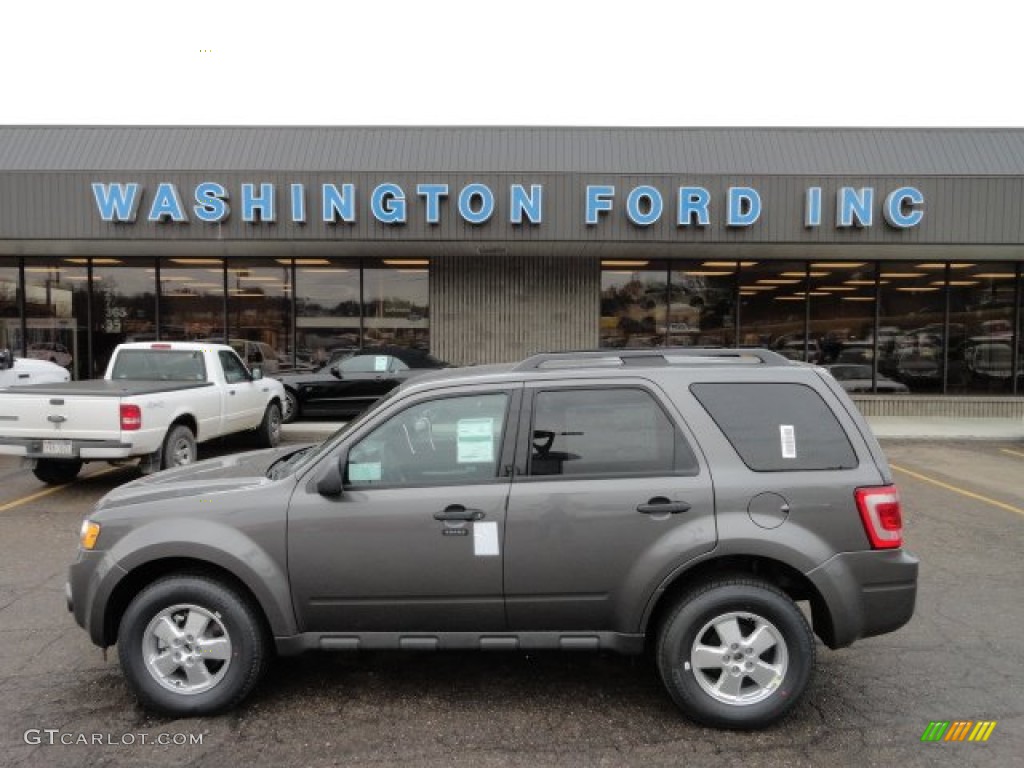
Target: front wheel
x=736, y=653
x=57, y=472
x=290, y=411
x=268, y=434
x=190, y=645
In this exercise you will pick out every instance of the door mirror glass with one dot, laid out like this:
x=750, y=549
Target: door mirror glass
x=336, y=372
x=5, y=359
x=257, y=373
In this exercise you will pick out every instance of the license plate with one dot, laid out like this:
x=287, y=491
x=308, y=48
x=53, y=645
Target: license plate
x=57, y=448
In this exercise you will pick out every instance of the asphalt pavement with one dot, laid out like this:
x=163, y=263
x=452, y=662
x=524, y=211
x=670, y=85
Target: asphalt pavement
x=960, y=658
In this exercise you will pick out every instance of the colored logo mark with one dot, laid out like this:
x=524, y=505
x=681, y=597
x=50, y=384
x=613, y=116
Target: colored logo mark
x=958, y=730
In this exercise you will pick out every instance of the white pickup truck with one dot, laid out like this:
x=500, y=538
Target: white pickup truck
x=156, y=401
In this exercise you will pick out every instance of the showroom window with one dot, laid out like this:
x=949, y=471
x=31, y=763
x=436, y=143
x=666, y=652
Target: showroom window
x=260, y=308
x=10, y=308
x=327, y=301
x=773, y=306
x=912, y=330
x=396, y=299
x=123, y=306
x=191, y=299
x=634, y=303
x=702, y=303
x=57, y=313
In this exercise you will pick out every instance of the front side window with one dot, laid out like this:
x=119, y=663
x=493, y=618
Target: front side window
x=367, y=364
x=612, y=432
x=234, y=371
x=450, y=441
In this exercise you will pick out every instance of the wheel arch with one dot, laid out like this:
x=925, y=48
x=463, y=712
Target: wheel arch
x=141, y=577
x=791, y=581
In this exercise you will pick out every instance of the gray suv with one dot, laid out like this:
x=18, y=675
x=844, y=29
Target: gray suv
x=678, y=500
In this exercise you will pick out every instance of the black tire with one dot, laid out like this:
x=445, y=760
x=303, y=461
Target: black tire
x=744, y=601
x=291, y=410
x=57, y=471
x=268, y=434
x=179, y=449
x=234, y=615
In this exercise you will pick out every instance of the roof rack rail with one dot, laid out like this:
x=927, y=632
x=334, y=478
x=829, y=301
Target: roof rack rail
x=653, y=357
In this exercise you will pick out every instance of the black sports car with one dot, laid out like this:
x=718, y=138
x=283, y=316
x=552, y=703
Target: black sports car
x=347, y=386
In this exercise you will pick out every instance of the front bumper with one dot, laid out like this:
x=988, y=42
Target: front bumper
x=866, y=594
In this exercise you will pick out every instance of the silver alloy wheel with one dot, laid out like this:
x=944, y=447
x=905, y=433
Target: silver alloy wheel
x=186, y=649
x=181, y=452
x=739, y=658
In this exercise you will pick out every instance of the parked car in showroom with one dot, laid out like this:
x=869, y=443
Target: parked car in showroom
x=52, y=351
x=20, y=371
x=857, y=378
x=349, y=385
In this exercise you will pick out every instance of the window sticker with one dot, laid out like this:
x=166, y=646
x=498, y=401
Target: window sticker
x=380, y=363
x=475, y=440
x=364, y=472
x=485, y=539
x=787, y=435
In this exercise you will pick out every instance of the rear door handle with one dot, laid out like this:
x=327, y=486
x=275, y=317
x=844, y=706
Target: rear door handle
x=659, y=505
x=459, y=512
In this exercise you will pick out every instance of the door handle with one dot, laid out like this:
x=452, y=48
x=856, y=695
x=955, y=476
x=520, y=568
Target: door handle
x=659, y=505
x=231, y=391
x=459, y=512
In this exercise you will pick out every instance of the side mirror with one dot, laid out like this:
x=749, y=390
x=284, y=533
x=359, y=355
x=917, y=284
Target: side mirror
x=257, y=373
x=332, y=481
x=336, y=372
x=6, y=359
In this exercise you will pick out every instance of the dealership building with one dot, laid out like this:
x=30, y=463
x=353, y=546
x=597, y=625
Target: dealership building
x=895, y=254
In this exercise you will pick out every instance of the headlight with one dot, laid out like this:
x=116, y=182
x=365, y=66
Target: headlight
x=89, y=533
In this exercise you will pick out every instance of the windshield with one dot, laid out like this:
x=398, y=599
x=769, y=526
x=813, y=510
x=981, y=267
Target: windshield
x=328, y=445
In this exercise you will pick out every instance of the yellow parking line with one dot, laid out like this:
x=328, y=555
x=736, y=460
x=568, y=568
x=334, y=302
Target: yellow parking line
x=961, y=491
x=1013, y=453
x=47, y=491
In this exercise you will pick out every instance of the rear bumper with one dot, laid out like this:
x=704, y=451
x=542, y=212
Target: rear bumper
x=32, y=448
x=867, y=593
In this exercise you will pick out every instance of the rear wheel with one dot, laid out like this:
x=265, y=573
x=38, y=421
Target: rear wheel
x=191, y=645
x=268, y=433
x=56, y=472
x=179, y=448
x=736, y=653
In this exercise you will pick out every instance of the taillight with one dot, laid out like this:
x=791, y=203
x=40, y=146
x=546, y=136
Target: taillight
x=131, y=418
x=881, y=514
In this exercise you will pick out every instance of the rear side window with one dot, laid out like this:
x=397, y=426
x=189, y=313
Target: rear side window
x=605, y=432
x=777, y=427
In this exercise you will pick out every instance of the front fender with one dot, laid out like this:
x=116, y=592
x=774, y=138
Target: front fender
x=223, y=546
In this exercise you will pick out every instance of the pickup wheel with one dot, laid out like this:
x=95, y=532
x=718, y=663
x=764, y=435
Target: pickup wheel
x=268, y=433
x=191, y=645
x=291, y=409
x=56, y=472
x=179, y=448
x=736, y=653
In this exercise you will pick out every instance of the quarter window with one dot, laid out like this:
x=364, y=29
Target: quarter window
x=614, y=431
x=777, y=427
x=450, y=441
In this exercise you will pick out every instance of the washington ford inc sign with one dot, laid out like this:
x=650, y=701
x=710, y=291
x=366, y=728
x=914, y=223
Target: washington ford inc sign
x=476, y=203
